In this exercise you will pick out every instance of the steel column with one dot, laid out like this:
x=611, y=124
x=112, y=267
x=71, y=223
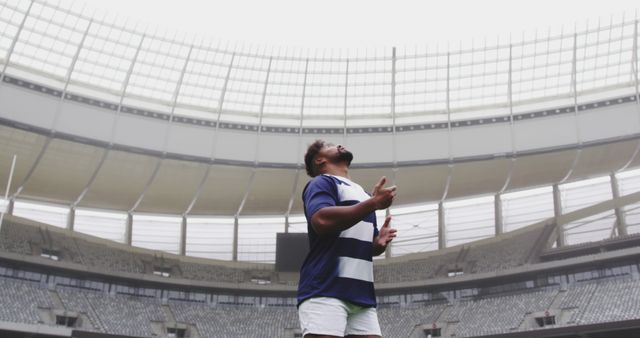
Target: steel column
x=621, y=221
x=557, y=209
x=442, y=227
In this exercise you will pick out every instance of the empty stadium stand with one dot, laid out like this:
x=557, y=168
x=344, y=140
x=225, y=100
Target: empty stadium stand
x=501, y=286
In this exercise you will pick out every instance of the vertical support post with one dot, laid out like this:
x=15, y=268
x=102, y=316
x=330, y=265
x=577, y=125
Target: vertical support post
x=498, y=214
x=394, y=150
x=512, y=163
x=636, y=97
x=286, y=223
x=71, y=218
x=10, y=206
x=449, y=132
x=9, y=209
x=128, y=230
x=346, y=92
x=574, y=90
x=183, y=236
x=234, y=256
x=621, y=221
x=442, y=227
x=557, y=208
x=634, y=61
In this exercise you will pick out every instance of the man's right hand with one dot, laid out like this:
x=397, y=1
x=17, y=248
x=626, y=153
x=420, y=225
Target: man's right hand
x=383, y=197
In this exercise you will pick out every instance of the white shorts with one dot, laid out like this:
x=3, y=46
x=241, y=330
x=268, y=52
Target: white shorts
x=335, y=317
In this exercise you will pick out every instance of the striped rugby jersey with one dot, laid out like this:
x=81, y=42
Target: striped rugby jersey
x=338, y=265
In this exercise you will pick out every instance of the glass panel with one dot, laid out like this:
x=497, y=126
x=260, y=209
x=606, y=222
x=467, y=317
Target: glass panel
x=106, y=57
x=581, y=194
x=257, y=238
x=109, y=225
x=469, y=220
x=526, y=207
x=421, y=83
x=156, y=232
x=590, y=229
x=297, y=223
x=10, y=18
x=417, y=229
x=210, y=237
x=628, y=182
x=157, y=70
x=632, y=217
x=44, y=213
x=3, y=205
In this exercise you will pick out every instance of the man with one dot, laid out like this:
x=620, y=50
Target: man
x=336, y=297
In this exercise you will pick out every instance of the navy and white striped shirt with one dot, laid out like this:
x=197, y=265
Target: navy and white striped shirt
x=340, y=264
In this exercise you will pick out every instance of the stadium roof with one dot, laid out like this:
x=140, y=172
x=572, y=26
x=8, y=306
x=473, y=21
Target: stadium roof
x=107, y=114
x=358, y=24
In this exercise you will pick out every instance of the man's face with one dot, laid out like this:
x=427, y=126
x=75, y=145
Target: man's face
x=336, y=153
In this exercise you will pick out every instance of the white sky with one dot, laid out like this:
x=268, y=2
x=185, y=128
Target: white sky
x=359, y=23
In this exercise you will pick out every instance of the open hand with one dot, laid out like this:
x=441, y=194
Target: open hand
x=386, y=233
x=382, y=196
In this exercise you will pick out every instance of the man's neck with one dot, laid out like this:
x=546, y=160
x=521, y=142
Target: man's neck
x=342, y=171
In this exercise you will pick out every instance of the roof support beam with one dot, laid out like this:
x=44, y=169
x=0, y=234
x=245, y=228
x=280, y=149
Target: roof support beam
x=128, y=229
x=182, y=248
x=54, y=125
x=512, y=163
x=634, y=70
x=299, y=152
x=9, y=208
x=449, y=133
x=394, y=147
x=167, y=133
x=71, y=218
x=214, y=148
x=621, y=222
x=255, y=165
x=114, y=125
x=346, y=92
x=442, y=227
x=574, y=90
x=499, y=221
x=557, y=209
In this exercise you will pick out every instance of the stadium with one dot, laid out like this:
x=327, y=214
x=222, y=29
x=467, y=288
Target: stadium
x=151, y=183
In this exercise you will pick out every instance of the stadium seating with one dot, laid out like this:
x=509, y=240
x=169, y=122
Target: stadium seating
x=17, y=238
x=21, y=300
x=604, y=300
x=500, y=253
x=484, y=256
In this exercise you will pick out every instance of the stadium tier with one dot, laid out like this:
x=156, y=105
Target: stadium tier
x=52, y=278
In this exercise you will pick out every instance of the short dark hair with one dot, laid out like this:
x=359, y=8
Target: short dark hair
x=309, y=157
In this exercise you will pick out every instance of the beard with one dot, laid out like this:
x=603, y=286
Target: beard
x=345, y=156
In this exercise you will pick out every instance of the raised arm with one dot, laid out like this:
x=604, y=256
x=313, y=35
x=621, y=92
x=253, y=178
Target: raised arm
x=338, y=218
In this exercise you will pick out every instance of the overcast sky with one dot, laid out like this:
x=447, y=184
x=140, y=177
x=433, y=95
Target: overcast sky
x=360, y=23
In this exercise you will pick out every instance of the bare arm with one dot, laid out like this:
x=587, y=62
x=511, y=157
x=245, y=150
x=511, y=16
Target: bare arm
x=338, y=218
